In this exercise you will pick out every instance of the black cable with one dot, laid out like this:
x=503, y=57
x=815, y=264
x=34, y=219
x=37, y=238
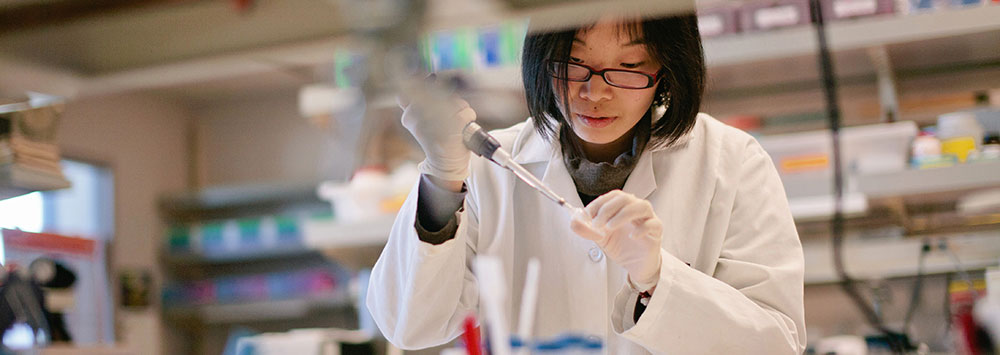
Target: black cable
x=947, y=300
x=959, y=268
x=918, y=286
x=837, y=226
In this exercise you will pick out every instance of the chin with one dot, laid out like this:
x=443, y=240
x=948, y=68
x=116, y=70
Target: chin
x=592, y=137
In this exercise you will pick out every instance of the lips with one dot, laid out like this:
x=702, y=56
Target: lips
x=596, y=121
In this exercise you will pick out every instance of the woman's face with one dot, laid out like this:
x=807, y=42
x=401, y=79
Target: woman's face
x=600, y=113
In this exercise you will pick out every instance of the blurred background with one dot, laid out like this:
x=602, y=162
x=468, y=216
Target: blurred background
x=216, y=177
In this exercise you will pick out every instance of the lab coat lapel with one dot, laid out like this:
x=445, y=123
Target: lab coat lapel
x=536, y=149
x=642, y=181
x=558, y=179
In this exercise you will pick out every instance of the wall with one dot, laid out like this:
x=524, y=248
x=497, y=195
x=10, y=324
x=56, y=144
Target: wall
x=255, y=140
x=144, y=140
x=265, y=139
x=830, y=312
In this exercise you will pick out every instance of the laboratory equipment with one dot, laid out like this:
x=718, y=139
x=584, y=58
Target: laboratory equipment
x=471, y=336
x=529, y=299
x=484, y=145
x=493, y=291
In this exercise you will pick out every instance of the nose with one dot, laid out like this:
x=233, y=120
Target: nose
x=596, y=89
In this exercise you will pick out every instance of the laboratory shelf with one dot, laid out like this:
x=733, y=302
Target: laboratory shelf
x=822, y=208
x=888, y=257
x=16, y=180
x=270, y=310
x=321, y=236
x=847, y=35
x=931, y=54
x=206, y=203
x=332, y=233
x=355, y=244
x=352, y=244
x=193, y=258
x=926, y=181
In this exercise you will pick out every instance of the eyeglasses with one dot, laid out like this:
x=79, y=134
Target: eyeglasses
x=621, y=78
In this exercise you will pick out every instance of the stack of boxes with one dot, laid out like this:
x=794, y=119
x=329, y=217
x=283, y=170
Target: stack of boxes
x=29, y=156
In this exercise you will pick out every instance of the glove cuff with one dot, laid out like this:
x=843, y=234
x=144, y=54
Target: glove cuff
x=640, y=287
x=454, y=174
x=649, y=282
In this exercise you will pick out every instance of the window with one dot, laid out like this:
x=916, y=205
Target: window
x=23, y=212
x=85, y=210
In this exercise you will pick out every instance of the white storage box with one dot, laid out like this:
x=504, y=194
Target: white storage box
x=804, y=160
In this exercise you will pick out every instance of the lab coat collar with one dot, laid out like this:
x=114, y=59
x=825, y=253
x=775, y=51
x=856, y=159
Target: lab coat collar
x=532, y=148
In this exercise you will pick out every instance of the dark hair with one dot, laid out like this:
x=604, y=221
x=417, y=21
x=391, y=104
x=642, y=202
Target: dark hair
x=673, y=42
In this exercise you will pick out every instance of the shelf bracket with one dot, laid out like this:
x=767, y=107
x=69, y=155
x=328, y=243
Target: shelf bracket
x=888, y=97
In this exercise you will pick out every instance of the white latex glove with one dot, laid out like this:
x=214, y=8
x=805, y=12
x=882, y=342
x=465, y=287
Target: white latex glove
x=629, y=233
x=437, y=125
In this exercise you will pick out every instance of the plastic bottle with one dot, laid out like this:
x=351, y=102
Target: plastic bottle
x=960, y=134
x=926, y=145
x=926, y=149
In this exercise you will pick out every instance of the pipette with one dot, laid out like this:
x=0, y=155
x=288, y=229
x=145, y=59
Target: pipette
x=484, y=145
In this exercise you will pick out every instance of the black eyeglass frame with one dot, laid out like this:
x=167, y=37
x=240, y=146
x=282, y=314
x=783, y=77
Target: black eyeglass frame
x=651, y=83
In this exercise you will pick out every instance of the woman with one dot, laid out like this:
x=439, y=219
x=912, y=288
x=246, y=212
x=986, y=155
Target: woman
x=692, y=248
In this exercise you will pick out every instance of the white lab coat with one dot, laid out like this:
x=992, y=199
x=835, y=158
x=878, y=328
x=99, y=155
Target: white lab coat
x=724, y=213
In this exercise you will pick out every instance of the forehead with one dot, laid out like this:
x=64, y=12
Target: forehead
x=610, y=32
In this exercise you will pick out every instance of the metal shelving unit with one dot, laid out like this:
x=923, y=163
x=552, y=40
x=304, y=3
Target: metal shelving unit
x=259, y=311
x=267, y=259
x=849, y=35
x=884, y=258
x=962, y=177
x=17, y=180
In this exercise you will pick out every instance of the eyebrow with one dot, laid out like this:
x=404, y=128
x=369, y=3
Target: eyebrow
x=634, y=42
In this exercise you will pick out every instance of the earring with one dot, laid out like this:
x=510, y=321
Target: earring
x=663, y=99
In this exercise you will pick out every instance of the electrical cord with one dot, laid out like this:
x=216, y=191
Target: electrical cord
x=947, y=300
x=897, y=343
x=918, y=285
x=959, y=268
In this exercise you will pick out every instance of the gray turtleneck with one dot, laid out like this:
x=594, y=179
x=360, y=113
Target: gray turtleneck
x=595, y=179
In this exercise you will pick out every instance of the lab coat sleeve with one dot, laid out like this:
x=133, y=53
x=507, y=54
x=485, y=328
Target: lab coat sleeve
x=752, y=304
x=419, y=293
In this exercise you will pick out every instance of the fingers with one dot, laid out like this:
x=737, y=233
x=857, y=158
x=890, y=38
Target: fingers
x=607, y=206
x=617, y=210
x=634, y=213
x=447, y=116
x=414, y=88
x=584, y=230
x=596, y=204
x=617, y=215
x=650, y=228
x=466, y=114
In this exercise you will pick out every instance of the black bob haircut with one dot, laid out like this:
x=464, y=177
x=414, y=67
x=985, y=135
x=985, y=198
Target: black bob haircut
x=673, y=42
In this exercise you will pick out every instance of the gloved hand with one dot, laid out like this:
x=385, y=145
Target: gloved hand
x=629, y=233
x=437, y=125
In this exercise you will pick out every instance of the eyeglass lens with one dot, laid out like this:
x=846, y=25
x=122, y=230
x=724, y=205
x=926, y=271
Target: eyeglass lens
x=619, y=78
